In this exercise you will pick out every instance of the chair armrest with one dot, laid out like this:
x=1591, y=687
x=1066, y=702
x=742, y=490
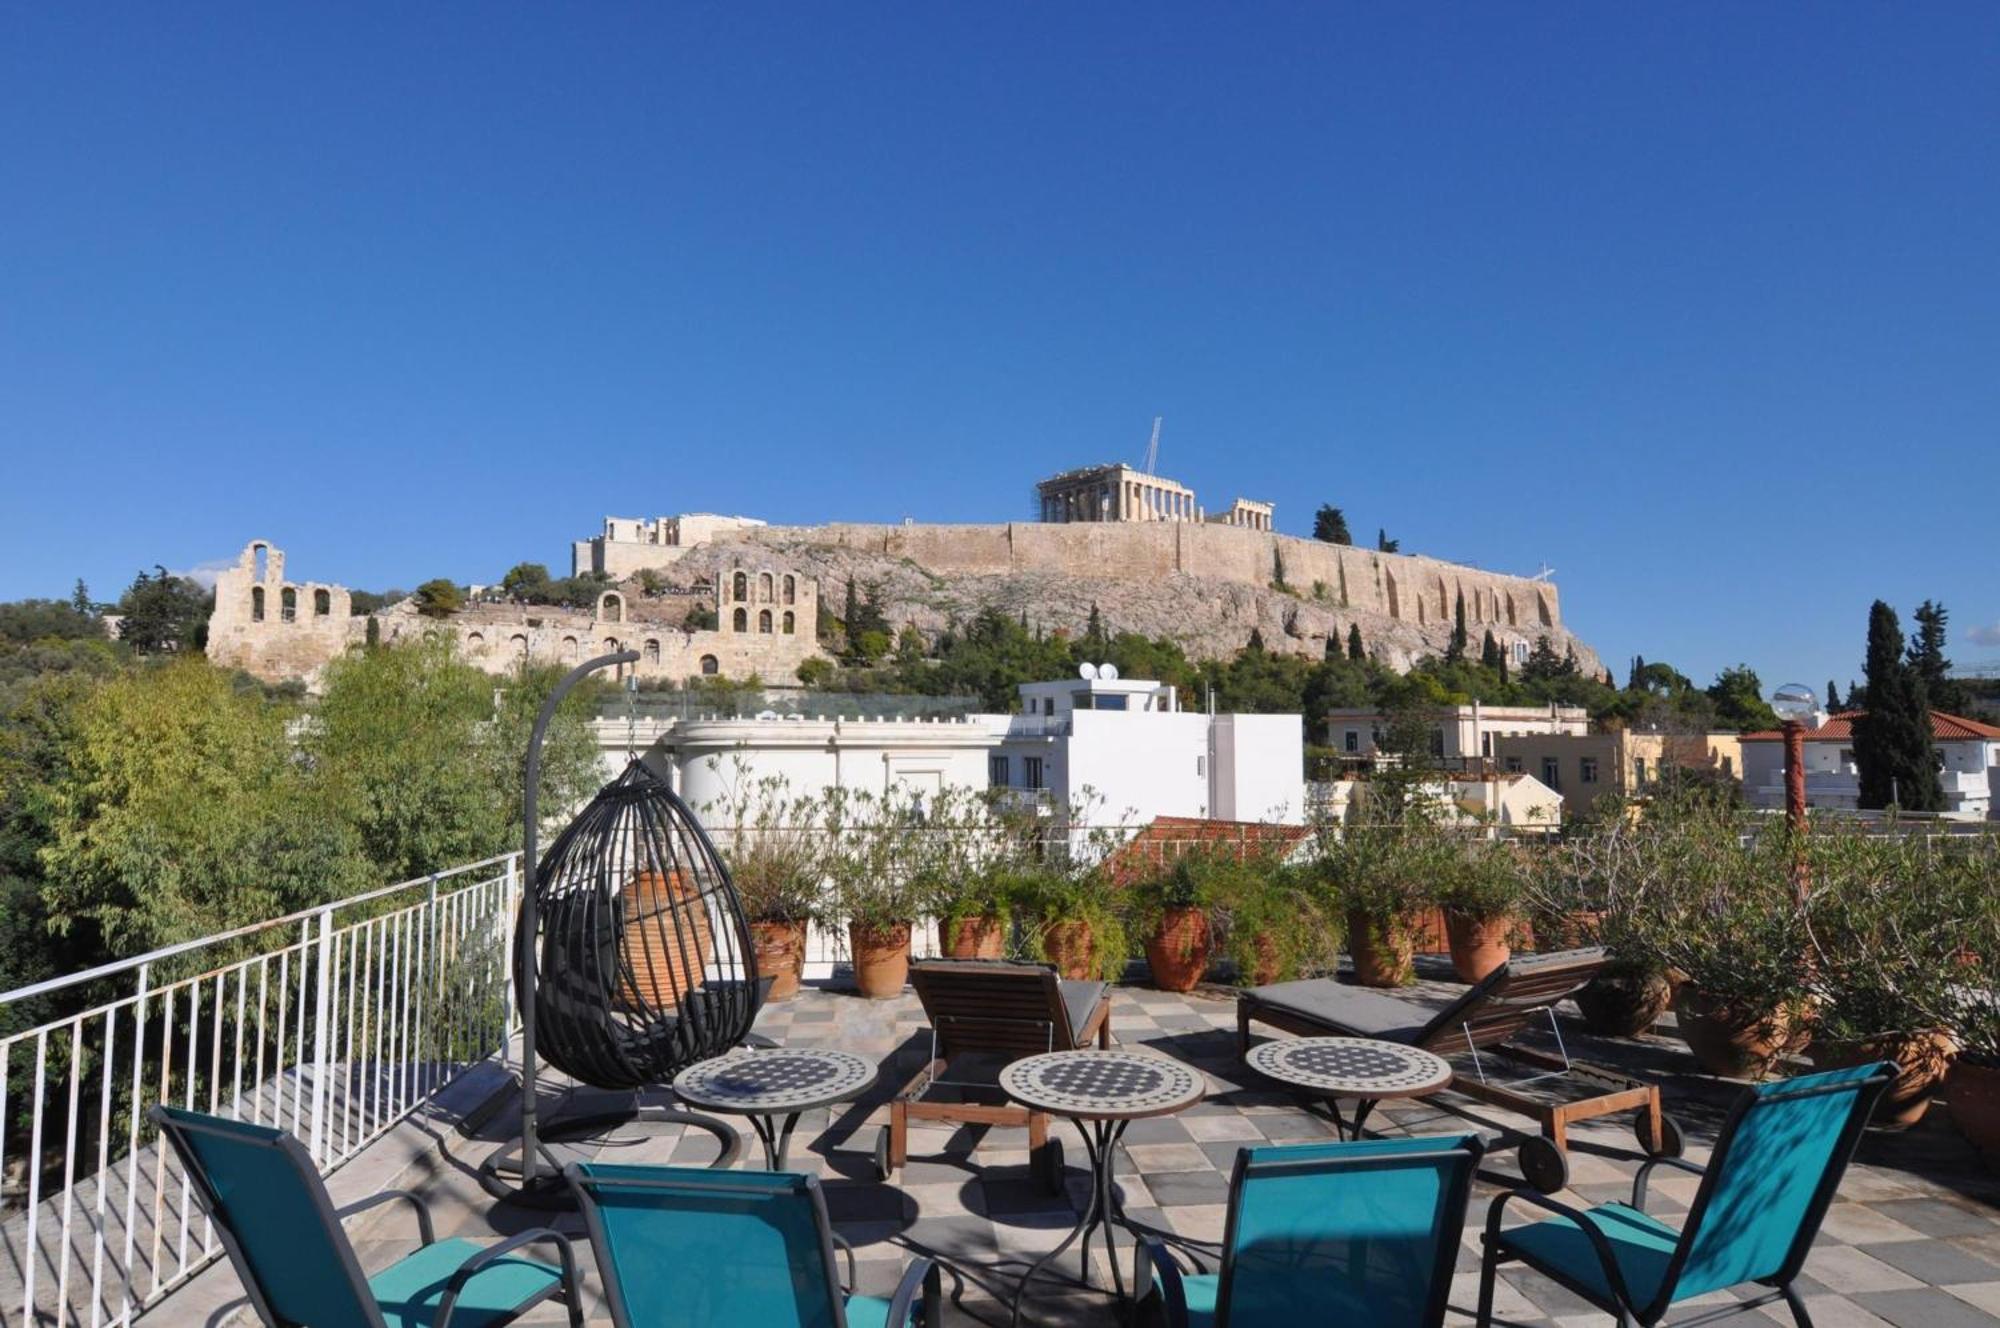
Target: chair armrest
x=1598, y=1244
x=425, y=1234
x=1154, y=1272
x=920, y=1278
x=533, y=1235
x=1646, y=1170
x=840, y=1243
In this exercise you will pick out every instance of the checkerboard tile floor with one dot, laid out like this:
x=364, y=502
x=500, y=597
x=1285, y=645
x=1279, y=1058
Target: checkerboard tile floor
x=1914, y=1239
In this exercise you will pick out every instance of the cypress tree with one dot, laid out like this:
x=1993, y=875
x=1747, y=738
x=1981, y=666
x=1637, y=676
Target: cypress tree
x=1832, y=697
x=1455, y=652
x=1354, y=649
x=1256, y=643
x=1638, y=672
x=849, y=608
x=1490, y=654
x=1892, y=738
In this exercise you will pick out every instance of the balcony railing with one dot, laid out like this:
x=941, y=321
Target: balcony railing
x=334, y=1023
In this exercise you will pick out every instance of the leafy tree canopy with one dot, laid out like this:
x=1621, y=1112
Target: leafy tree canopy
x=439, y=598
x=1330, y=526
x=163, y=614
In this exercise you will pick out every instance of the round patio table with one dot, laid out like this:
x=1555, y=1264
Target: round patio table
x=1331, y=1068
x=764, y=1084
x=1100, y=1092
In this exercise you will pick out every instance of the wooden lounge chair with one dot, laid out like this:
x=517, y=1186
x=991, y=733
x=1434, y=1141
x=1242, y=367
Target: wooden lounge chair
x=1486, y=1018
x=999, y=1011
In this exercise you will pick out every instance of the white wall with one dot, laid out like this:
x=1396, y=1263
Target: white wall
x=712, y=759
x=1259, y=768
x=1142, y=764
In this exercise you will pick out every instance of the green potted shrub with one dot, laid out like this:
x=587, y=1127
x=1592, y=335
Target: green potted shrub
x=1386, y=877
x=1970, y=1001
x=773, y=848
x=1275, y=924
x=962, y=863
x=1070, y=911
x=872, y=864
x=1888, y=916
x=1170, y=902
x=1480, y=891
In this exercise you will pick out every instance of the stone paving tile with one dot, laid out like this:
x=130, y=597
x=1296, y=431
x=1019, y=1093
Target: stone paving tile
x=1914, y=1238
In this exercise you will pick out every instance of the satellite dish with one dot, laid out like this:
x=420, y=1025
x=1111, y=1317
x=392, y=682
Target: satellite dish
x=1108, y=672
x=1087, y=672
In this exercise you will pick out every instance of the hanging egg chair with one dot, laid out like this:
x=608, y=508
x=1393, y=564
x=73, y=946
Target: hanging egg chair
x=642, y=962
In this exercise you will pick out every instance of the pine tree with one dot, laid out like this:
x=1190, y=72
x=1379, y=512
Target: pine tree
x=1926, y=656
x=1383, y=544
x=1354, y=647
x=1330, y=526
x=1632, y=683
x=1832, y=697
x=1893, y=748
x=1455, y=652
x=79, y=599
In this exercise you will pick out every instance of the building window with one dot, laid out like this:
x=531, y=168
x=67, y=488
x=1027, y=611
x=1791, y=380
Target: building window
x=1201, y=767
x=739, y=586
x=1353, y=740
x=288, y=605
x=1048, y=705
x=1031, y=771
x=996, y=771
x=764, y=587
x=1586, y=769
x=1513, y=765
x=569, y=647
x=764, y=621
x=652, y=651
x=474, y=641
x=256, y=604
x=740, y=620
x=1437, y=742
x=322, y=604
x=1552, y=772
x=788, y=624
x=1486, y=744
x=520, y=645
x=791, y=589
x=1639, y=771
x=710, y=666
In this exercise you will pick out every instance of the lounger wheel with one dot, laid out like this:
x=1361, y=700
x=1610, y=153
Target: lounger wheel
x=1047, y=1164
x=1543, y=1165
x=1673, y=1139
x=882, y=1168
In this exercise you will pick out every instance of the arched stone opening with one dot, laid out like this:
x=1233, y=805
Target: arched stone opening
x=710, y=666
x=740, y=620
x=474, y=642
x=611, y=607
x=764, y=622
x=787, y=624
x=519, y=645
x=764, y=587
x=322, y=603
x=288, y=605
x=569, y=647
x=256, y=604
x=791, y=589
x=652, y=651
x=260, y=561
x=739, y=586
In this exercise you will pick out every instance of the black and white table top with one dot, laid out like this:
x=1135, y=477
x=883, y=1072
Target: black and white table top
x=1096, y=1084
x=759, y=1081
x=1350, y=1067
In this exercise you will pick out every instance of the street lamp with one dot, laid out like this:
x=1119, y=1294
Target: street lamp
x=1797, y=706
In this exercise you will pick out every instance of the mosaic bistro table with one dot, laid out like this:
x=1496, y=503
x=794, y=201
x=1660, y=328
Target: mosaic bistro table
x=1331, y=1068
x=764, y=1084
x=1100, y=1092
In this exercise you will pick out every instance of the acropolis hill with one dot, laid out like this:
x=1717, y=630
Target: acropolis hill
x=1136, y=547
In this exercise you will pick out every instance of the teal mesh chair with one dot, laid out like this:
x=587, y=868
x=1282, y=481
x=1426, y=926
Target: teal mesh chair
x=1363, y=1232
x=1776, y=1164
x=689, y=1247
x=283, y=1235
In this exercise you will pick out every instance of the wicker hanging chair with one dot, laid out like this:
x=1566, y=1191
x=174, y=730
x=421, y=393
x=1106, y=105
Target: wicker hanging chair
x=643, y=961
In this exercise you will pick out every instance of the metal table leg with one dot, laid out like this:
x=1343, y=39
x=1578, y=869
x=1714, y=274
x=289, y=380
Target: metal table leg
x=777, y=1140
x=1100, y=1142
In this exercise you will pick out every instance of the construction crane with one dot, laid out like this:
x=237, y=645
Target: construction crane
x=1153, y=448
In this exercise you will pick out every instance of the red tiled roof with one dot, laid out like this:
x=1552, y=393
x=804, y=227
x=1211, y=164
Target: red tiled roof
x=1840, y=728
x=1168, y=837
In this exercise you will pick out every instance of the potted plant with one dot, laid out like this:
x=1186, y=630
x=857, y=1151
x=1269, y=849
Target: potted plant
x=1069, y=910
x=1170, y=902
x=1588, y=890
x=1385, y=876
x=1971, y=1002
x=772, y=847
x=1480, y=891
x=1729, y=917
x=871, y=861
x=963, y=867
x=1275, y=922
x=1888, y=916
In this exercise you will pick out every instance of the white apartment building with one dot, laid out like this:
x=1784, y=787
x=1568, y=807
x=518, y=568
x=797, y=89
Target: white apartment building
x=1968, y=752
x=1127, y=748
x=1458, y=732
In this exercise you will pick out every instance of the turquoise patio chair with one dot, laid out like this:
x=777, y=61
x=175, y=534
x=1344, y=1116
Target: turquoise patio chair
x=1362, y=1232
x=690, y=1247
x=1776, y=1164
x=283, y=1235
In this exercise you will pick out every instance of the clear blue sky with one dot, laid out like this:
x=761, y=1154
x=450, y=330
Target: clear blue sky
x=1698, y=304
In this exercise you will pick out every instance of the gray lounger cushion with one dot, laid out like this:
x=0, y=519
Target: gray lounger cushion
x=1354, y=1010
x=1080, y=1001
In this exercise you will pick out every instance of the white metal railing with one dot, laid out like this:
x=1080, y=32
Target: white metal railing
x=333, y=1023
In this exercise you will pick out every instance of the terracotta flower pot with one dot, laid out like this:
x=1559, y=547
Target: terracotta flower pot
x=1922, y=1058
x=1737, y=1041
x=1624, y=1004
x=781, y=956
x=1384, y=950
x=1178, y=949
x=1972, y=1092
x=1072, y=949
x=978, y=937
x=664, y=961
x=1478, y=945
x=1574, y=930
x=881, y=958
x=1267, y=965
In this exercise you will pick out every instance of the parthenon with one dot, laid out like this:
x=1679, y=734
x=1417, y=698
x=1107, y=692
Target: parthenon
x=1120, y=493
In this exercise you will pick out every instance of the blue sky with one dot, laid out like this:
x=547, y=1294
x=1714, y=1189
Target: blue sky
x=1699, y=305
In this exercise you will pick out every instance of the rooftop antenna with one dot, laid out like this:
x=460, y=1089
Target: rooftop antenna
x=1153, y=448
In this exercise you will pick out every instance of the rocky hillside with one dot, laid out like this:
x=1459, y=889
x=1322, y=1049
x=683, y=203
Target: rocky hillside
x=1209, y=618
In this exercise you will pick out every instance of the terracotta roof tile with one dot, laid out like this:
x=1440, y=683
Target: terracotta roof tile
x=1840, y=728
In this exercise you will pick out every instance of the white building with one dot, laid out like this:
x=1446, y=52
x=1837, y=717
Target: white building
x=1127, y=747
x=1457, y=732
x=1968, y=751
x=711, y=761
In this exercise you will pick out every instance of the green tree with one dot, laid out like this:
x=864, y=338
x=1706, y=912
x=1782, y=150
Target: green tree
x=1278, y=581
x=1383, y=544
x=25, y=621
x=1455, y=651
x=700, y=618
x=79, y=600
x=1355, y=650
x=1739, y=701
x=438, y=598
x=1832, y=697
x=177, y=810
x=910, y=647
x=1927, y=659
x=527, y=583
x=1491, y=656
x=1330, y=526
x=1094, y=643
x=161, y=614
x=1893, y=747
